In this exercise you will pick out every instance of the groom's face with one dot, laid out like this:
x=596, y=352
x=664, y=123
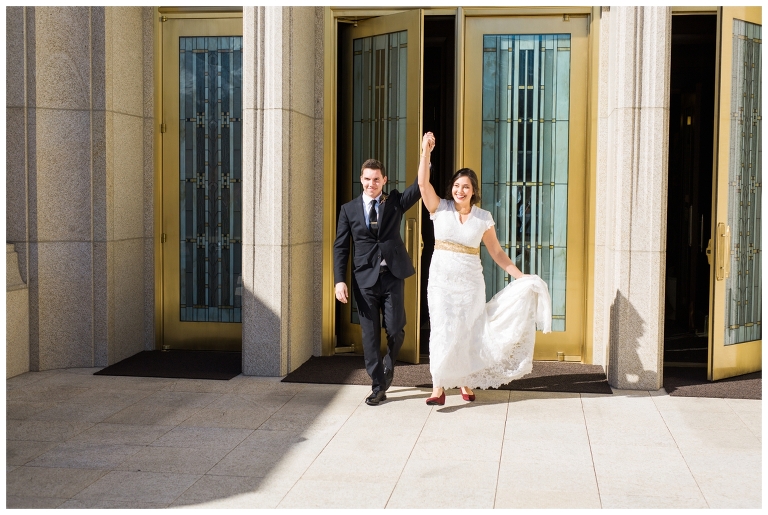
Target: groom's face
x=373, y=182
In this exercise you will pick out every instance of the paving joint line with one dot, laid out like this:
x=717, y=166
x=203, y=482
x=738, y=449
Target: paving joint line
x=591, y=454
x=678, y=449
x=501, y=453
x=431, y=411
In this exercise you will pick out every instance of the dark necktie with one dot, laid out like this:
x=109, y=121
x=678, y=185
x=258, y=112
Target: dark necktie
x=373, y=219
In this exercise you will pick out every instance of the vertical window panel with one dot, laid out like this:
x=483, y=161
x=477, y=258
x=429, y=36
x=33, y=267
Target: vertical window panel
x=210, y=175
x=526, y=99
x=744, y=286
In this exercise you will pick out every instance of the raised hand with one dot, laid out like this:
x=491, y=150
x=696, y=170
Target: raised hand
x=427, y=143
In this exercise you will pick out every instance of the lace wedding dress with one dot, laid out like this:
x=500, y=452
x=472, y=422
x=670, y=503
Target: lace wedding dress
x=473, y=343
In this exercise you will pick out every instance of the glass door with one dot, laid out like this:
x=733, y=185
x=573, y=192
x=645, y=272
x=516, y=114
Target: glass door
x=524, y=133
x=202, y=180
x=736, y=304
x=381, y=119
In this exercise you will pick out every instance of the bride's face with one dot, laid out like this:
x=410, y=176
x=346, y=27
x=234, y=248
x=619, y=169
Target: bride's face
x=462, y=190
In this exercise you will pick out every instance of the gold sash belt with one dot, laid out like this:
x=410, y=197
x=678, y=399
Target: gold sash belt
x=456, y=247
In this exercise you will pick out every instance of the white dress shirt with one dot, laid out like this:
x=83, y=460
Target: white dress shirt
x=367, y=209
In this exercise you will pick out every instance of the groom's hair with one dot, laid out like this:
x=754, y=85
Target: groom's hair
x=373, y=164
x=465, y=172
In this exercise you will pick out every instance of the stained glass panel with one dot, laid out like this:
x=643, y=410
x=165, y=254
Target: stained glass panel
x=526, y=100
x=210, y=178
x=745, y=180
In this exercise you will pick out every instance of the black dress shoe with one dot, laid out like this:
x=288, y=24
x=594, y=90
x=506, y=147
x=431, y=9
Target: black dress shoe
x=375, y=398
x=389, y=375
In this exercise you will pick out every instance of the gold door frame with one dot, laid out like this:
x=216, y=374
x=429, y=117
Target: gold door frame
x=725, y=360
x=568, y=345
x=167, y=335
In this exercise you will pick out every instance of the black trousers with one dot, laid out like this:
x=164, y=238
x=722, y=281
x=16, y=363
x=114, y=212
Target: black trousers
x=385, y=297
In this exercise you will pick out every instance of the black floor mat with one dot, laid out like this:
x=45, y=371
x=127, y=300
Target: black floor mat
x=182, y=364
x=547, y=376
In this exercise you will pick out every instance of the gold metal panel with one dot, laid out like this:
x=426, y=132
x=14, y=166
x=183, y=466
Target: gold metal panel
x=412, y=21
x=591, y=182
x=329, y=182
x=570, y=342
x=157, y=161
x=558, y=11
x=742, y=358
x=177, y=334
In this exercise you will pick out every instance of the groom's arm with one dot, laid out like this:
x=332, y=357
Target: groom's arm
x=410, y=196
x=341, y=251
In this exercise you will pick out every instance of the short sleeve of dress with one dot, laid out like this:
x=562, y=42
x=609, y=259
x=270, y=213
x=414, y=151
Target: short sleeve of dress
x=442, y=206
x=488, y=219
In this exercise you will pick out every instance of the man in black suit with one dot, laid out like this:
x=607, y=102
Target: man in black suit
x=380, y=265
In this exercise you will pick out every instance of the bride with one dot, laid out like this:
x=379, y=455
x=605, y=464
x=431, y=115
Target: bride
x=474, y=344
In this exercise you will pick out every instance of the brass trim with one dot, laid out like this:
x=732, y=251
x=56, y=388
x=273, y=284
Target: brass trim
x=587, y=351
x=157, y=159
x=698, y=9
x=458, y=88
x=329, y=181
x=456, y=247
x=202, y=11
x=558, y=11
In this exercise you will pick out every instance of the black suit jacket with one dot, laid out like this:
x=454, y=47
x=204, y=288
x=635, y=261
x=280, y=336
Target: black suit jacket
x=370, y=250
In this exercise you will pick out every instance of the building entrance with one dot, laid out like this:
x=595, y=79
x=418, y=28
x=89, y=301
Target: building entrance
x=201, y=251
x=509, y=100
x=713, y=309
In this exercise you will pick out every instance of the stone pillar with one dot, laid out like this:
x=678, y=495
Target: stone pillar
x=75, y=82
x=282, y=187
x=16, y=317
x=631, y=196
x=123, y=184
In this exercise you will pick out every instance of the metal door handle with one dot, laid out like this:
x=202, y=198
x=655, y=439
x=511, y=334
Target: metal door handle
x=723, y=252
x=410, y=233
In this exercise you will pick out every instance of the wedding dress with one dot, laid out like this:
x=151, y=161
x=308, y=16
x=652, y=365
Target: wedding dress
x=474, y=343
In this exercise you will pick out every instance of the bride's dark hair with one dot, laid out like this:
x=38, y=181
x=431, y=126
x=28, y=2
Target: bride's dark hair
x=465, y=172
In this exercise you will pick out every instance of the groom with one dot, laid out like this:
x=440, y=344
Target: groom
x=380, y=266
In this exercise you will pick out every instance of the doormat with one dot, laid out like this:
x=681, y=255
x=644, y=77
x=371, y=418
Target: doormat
x=547, y=376
x=179, y=364
x=692, y=382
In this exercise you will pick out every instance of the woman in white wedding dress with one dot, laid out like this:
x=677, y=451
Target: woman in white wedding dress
x=474, y=344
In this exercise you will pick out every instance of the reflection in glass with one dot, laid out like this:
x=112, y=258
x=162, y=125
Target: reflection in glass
x=210, y=178
x=743, y=289
x=526, y=89
x=379, y=71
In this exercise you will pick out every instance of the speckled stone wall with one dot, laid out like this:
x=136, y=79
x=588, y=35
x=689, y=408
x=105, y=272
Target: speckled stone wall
x=76, y=144
x=16, y=316
x=282, y=196
x=631, y=196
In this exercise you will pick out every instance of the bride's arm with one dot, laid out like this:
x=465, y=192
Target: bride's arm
x=428, y=195
x=498, y=254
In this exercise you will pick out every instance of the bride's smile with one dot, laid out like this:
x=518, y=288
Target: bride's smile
x=462, y=193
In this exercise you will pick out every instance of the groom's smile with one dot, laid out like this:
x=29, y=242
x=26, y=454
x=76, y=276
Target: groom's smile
x=373, y=182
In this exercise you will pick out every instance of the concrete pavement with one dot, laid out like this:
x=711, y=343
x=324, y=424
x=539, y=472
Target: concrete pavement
x=75, y=440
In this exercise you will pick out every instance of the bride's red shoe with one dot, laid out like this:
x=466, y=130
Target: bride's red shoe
x=436, y=401
x=467, y=396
